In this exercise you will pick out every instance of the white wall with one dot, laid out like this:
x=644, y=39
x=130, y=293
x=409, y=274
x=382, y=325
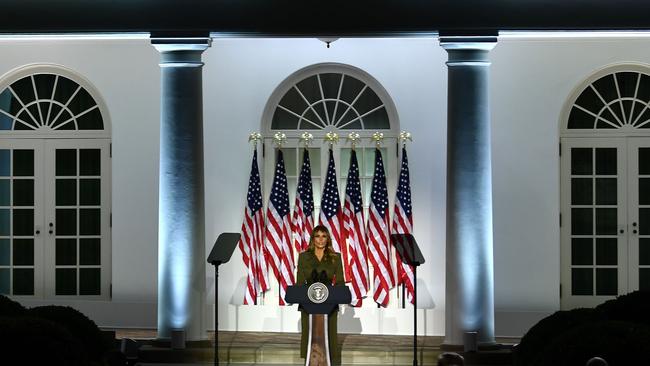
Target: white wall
x=531, y=80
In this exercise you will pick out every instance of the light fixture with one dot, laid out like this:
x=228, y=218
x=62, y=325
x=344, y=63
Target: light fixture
x=328, y=40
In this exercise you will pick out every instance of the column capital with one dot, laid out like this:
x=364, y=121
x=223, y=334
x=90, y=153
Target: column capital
x=468, y=51
x=181, y=52
x=482, y=43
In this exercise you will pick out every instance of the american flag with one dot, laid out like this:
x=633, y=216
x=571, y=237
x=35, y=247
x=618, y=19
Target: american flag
x=302, y=222
x=250, y=242
x=378, y=234
x=278, y=229
x=331, y=211
x=403, y=223
x=354, y=233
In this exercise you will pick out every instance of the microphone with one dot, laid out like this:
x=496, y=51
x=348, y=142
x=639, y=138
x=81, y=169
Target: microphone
x=314, y=276
x=323, y=276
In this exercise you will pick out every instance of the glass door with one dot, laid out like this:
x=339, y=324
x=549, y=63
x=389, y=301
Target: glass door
x=77, y=218
x=594, y=249
x=639, y=213
x=21, y=226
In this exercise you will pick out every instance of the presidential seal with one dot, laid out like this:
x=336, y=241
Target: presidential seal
x=317, y=293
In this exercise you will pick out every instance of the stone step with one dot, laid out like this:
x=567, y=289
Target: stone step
x=283, y=355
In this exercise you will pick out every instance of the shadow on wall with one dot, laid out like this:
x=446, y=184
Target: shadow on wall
x=237, y=297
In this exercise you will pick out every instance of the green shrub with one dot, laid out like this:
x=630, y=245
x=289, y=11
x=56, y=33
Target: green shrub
x=84, y=329
x=33, y=341
x=618, y=343
x=537, y=337
x=632, y=307
x=10, y=308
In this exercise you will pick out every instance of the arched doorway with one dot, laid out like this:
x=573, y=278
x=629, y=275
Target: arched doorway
x=605, y=186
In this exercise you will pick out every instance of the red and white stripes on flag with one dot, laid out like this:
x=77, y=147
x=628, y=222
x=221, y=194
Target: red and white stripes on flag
x=250, y=243
x=378, y=234
x=302, y=221
x=354, y=233
x=403, y=224
x=330, y=214
x=278, y=230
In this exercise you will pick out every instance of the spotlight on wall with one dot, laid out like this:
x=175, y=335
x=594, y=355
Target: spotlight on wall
x=328, y=40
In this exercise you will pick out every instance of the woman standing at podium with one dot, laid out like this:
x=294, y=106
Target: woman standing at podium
x=320, y=258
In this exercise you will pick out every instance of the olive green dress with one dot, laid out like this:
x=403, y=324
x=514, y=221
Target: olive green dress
x=307, y=262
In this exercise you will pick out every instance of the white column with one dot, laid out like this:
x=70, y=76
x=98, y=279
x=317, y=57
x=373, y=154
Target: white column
x=469, y=256
x=181, y=214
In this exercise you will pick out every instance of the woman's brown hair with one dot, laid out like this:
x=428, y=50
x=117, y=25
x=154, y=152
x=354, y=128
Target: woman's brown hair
x=329, y=248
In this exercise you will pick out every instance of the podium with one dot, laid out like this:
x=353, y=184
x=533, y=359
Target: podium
x=318, y=300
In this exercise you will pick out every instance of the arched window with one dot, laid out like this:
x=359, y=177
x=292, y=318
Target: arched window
x=54, y=185
x=331, y=97
x=605, y=180
x=324, y=98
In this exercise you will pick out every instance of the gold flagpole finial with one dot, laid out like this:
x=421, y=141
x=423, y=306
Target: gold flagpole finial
x=280, y=138
x=354, y=138
x=255, y=137
x=378, y=138
x=307, y=138
x=404, y=136
x=332, y=138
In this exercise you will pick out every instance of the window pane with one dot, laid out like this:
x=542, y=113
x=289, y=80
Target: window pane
x=89, y=221
x=644, y=191
x=23, y=192
x=582, y=281
x=66, y=192
x=283, y=120
x=64, y=89
x=581, y=191
x=5, y=279
x=345, y=161
x=293, y=102
x=644, y=160
x=606, y=281
x=66, y=162
x=23, y=162
x=23, y=222
x=581, y=221
x=606, y=161
x=66, y=252
x=4, y=222
x=644, y=279
x=5, y=162
x=90, y=251
x=89, y=162
x=23, y=252
x=289, y=155
x=5, y=251
x=310, y=89
x=582, y=251
x=589, y=100
x=66, y=221
x=606, y=221
x=66, y=281
x=23, y=281
x=91, y=121
x=644, y=221
x=606, y=251
x=89, y=192
x=351, y=88
x=606, y=191
x=644, y=251
x=376, y=120
x=5, y=192
x=581, y=163
x=44, y=86
x=81, y=102
x=89, y=281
